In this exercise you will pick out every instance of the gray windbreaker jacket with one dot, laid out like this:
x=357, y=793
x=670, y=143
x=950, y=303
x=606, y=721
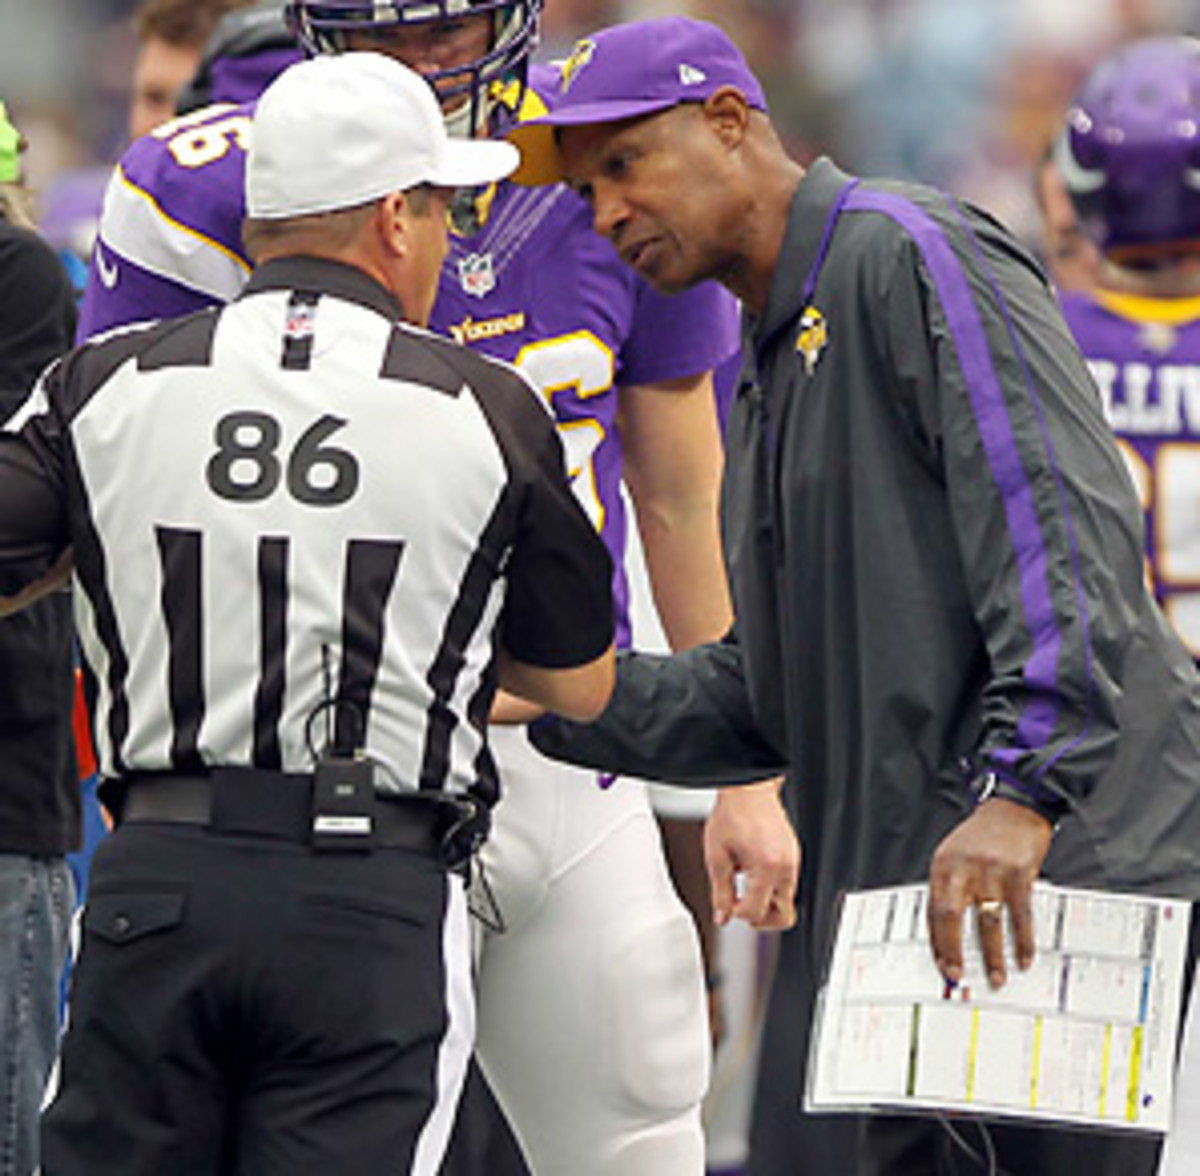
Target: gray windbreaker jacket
x=936, y=561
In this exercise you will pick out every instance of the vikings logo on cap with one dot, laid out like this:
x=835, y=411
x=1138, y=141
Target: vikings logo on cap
x=580, y=56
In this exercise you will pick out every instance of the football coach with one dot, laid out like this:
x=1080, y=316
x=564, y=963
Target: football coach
x=943, y=630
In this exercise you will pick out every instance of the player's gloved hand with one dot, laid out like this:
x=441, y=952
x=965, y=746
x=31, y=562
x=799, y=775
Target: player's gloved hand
x=748, y=837
x=988, y=862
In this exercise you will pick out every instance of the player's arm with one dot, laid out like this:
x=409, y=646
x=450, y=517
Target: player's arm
x=555, y=642
x=120, y=292
x=673, y=463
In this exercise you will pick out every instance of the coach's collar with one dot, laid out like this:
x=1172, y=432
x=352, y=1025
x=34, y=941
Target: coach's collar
x=812, y=204
x=322, y=275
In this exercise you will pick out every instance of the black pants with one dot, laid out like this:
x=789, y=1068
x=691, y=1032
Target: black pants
x=247, y=1007
x=482, y=1143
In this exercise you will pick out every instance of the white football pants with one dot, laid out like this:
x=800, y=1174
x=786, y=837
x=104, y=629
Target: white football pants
x=592, y=1013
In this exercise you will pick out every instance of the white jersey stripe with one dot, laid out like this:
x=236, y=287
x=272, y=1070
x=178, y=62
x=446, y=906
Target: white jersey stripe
x=137, y=228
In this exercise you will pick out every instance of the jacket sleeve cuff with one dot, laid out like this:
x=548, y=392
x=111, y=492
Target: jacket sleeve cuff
x=1045, y=803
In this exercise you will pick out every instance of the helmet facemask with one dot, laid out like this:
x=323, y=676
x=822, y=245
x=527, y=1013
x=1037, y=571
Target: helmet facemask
x=490, y=85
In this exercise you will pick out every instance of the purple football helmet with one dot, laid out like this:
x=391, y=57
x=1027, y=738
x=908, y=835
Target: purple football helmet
x=1130, y=153
x=321, y=26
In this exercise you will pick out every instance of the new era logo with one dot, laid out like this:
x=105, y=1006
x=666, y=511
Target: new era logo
x=689, y=75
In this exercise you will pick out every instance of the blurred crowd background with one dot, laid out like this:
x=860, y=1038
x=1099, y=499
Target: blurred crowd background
x=964, y=94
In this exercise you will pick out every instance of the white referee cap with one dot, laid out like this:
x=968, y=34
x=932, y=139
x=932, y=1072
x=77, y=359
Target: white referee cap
x=340, y=131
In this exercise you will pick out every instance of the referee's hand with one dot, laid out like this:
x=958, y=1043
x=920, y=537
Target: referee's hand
x=510, y=711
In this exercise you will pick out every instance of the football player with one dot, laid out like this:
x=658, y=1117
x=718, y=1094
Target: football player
x=1130, y=158
x=171, y=35
x=593, y=1027
x=1070, y=255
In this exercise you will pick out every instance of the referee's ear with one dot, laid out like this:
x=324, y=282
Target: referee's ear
x=392, y=216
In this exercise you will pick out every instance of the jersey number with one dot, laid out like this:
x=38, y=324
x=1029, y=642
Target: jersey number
x=201, y=138
x=581, y=366
x=1170, y=490
x=245, y=467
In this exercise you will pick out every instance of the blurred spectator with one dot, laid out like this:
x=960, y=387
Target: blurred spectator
x=39, y=792
x=564, y=21
x=171, y=36
x=926, y=89
x=1070, y=256
x=69, y=214
x=250, y=46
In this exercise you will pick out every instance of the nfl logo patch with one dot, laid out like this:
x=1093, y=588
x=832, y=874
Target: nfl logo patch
x=476, y=274
x=300, y=321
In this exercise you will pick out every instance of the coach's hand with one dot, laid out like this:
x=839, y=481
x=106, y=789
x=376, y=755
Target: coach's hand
x=748, y=833
x=989, y=862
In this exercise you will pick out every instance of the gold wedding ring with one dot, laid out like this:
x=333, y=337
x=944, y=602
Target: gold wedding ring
x=990, y=908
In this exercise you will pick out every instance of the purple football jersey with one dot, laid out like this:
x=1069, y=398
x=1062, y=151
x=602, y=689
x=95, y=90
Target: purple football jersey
x=533, y=284
x=1145, y=356
x=170, y=236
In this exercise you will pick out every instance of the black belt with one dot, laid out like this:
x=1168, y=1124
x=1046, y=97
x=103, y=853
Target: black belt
x=280, y=805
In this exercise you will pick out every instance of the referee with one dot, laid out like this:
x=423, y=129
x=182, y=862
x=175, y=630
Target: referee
x=310, y=540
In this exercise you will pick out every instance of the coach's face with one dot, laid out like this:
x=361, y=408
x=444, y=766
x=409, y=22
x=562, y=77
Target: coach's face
x=667, y=189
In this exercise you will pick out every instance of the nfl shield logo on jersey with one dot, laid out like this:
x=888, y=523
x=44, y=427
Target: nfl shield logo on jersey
x=476, y=274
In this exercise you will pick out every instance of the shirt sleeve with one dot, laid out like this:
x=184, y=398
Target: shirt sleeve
x=1040, y=506
x=679, y=335
x=682, y=718
x=120, y=293
x=33, y=517
x=37, y=313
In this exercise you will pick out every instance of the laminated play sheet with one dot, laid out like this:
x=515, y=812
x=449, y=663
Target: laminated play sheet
x=1086, y=1035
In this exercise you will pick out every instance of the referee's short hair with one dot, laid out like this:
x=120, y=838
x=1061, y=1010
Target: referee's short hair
x=335, y=230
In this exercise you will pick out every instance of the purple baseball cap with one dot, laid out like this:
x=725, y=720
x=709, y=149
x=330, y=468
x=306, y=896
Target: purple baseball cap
x=627, y=71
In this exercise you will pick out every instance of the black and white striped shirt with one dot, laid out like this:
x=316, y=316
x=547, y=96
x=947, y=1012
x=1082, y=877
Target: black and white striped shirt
x=295, y=498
